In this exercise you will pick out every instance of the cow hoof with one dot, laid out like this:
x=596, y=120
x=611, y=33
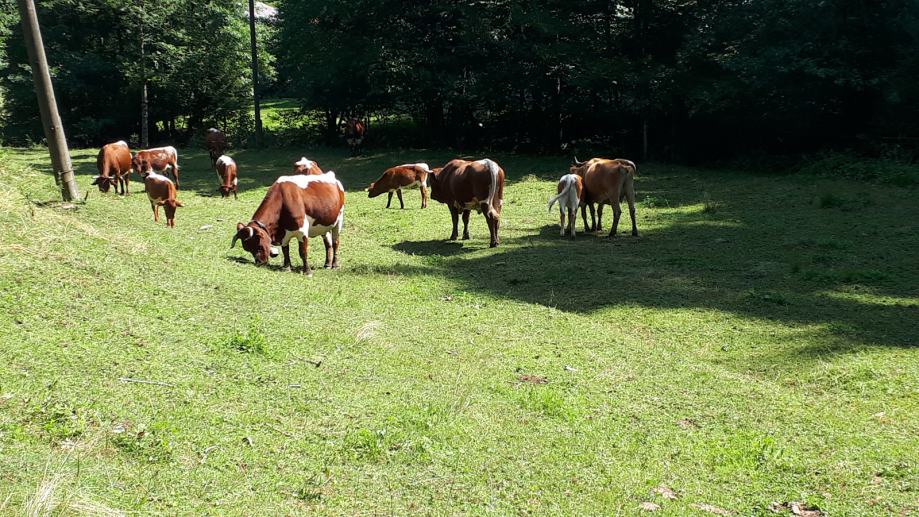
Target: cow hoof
x=493, y=245
x=465, y=237
x=634, y=234
x=327, y=266
x=286, y=269
x=453, y=237
x=308, y=272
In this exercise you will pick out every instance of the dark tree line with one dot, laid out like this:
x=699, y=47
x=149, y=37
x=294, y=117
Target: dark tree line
x=686, y=79
x=691, y=78
x=194, y=57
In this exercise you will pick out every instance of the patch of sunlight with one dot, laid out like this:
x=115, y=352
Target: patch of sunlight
x=867, y=297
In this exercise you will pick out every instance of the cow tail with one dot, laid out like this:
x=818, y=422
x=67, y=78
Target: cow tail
x=493, y=187
x=560, y=195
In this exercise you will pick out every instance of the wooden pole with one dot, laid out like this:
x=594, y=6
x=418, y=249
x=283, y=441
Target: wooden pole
x=144, y=100
x=47, y=104
x=258, y=109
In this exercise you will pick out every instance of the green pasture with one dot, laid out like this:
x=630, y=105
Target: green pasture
x=758, y=343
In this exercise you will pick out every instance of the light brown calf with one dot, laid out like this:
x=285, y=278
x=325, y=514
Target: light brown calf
x=608, y=182
x=570, y=193
x=397, y=178
x=307, y=167
x=162, y=192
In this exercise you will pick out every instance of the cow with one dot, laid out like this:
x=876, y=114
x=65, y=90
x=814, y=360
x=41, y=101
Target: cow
x=395, y=179
x=216, y=143
x=162, y=193
x=226, y=172
x=463, y=186
x=570, y=190
x=308, y=167
x=156, y=160
x=296, y=207
x=354, y=130
x=607, y=182
x=114, y=165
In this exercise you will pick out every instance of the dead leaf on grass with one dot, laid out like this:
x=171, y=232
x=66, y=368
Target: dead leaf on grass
x=665, y=492
x=686, y=423
x=796, y=508
x=532, y=379
x=705, y=507
x=648, y=506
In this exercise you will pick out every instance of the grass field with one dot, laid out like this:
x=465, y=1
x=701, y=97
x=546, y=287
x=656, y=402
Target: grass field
x=758, y=343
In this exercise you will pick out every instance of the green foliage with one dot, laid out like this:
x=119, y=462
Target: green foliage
x=253, y=341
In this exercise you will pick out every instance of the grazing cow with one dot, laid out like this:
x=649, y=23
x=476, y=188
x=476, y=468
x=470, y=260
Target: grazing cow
x=570, y=190
x=226, y=171
x=307, y=167
x=397, y=178
x=114, y=164
x=300, y=207
x=464, y=186
x=608, y=182
x=162, y=193
x=354, y=131
x=156, y=160
x=216, y=143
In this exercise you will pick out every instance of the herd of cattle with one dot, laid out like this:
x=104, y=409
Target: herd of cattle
x=310, y=203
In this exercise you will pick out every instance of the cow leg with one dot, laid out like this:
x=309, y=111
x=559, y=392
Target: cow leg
x=175, y=174
x=389, y=201
x=617, y=212
x=424, y=197
x=561, y=217
x=494, y=222
x=454, y=214
x=327, y=241
x=599, y=227
x=336, y=240
x=465, y=225
x=587, y=227
x=156, y=212
x=630, y=198
x=286, y=249
x=304, y=248
x=234, y=193
x=127, y=183
x=401, y=204
x=572, y=220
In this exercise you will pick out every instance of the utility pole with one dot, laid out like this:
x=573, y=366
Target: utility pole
x=47, y=104
x=258, y=109
x=144, y=102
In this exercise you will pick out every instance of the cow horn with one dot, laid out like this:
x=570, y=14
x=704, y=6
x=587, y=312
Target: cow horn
x=235, y=238
x=578, y=163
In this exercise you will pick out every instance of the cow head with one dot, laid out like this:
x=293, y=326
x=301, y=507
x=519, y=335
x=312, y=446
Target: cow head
x=256, y=241
x=225, y=190
x=374, y=190
x=576, y=165
x=104, y=183
x=306, y=166
x=169, y=206
x=434, y=184
x=141, y=166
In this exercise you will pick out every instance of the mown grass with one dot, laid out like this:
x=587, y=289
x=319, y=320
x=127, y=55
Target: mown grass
x=756, y=344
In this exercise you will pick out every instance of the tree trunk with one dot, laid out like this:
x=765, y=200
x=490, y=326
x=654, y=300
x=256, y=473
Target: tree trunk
x=144, y=102
x=47, y=104
x=258, y=109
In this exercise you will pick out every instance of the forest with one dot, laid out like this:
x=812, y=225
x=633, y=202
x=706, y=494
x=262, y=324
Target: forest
x=676, y=80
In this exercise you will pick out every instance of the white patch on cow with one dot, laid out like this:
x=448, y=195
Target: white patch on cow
x=235, y=181
x=422, y=165
x=120, y=143
x=304, y=181
x=225, y=160
x=157, y=177
x=305, y=163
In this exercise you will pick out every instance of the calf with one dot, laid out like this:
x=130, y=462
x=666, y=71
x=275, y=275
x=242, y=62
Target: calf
x=570, y=189
x=307, y=167
x=162, y=192
x=463, y=186
x=114, y=165
x=397, y=178
x=226, y=171
x=216, y=143
x=296, y=207
x=157, y=160
x=608, y=182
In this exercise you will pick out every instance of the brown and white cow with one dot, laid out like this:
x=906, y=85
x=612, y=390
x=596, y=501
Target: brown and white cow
x=608, y=182
x=570, y=191
x=226, y=172
x=114, y=165
x=393, y=180
x=464, y=186
x=354, y=130
x=157, y=160
x=296, y=207
x=308, y=167
x=216, y=143
x=162, y=193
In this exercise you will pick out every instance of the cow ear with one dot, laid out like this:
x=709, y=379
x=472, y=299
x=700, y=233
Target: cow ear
x=240, y=226
x=179, y=203
x=160, y=203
